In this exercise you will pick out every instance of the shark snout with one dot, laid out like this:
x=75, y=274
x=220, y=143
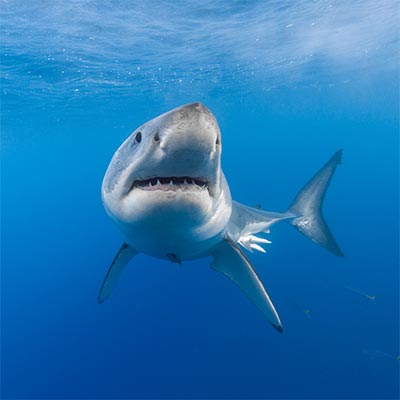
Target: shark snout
x=190, y=130
x=197, y=107
x=190, y=142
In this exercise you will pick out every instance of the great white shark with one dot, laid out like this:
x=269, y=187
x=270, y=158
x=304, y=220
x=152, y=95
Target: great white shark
x=167, y=194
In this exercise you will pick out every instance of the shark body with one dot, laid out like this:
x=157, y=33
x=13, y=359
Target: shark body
x=167, y=194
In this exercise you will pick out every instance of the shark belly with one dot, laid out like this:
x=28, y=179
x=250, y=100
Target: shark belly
x=173, y=244
x=178, y=224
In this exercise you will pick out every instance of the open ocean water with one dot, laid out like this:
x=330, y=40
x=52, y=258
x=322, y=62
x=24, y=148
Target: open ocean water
x=289, y=83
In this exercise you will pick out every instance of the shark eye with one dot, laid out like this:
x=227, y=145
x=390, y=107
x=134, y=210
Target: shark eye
x=138, y=137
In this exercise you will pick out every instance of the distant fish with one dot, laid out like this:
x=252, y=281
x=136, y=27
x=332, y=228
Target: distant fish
x=361, y=293
x=166, y=192
x=300, y=308
x=377, y=354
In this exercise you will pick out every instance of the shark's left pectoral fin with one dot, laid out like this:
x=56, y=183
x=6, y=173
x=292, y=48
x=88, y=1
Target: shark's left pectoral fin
x=124, y=255
x=230, y=261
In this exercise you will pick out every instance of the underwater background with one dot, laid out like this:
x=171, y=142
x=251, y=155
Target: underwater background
x=290, y=83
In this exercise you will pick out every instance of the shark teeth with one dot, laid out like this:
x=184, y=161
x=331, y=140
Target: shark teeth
x=170, y=183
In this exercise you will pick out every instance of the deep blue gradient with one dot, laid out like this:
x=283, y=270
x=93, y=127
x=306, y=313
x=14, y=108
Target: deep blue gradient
x=289, y=85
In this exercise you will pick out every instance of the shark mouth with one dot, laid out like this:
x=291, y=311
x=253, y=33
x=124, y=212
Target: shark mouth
x=170, y=183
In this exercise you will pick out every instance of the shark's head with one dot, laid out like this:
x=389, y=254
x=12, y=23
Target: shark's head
x=166, y=180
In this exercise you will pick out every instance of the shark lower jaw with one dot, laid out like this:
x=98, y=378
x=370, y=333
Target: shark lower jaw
x=171, y=183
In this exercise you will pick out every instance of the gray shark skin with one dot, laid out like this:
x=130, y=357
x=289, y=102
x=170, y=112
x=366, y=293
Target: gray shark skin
x=166, y=192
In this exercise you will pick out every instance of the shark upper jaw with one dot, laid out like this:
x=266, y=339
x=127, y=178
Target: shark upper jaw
x=171, y=183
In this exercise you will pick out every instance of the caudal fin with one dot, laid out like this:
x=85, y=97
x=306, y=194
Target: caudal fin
x=307, y=207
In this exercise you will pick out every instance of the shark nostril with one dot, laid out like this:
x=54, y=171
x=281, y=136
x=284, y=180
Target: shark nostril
x=218, y=141
x=157, y=137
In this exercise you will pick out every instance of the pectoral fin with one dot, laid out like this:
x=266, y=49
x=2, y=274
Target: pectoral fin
x=124, y=255
x=230, y=261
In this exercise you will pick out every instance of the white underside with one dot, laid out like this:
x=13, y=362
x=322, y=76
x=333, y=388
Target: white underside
x=185, y=222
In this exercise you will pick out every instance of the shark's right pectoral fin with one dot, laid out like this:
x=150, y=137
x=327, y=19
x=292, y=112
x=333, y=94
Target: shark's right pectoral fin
x=124, y=255
x=230, y=261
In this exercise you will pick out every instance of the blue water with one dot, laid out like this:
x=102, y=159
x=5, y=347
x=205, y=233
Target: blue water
x=289, y=83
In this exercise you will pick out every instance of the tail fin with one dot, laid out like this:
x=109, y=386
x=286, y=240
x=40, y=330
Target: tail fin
x=307, y=207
